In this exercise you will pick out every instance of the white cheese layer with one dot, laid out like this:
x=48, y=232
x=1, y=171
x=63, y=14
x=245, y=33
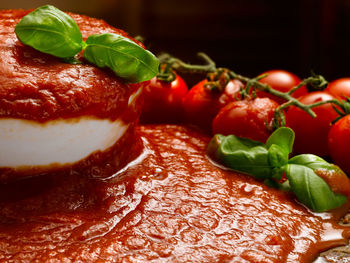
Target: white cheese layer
x=64, y=141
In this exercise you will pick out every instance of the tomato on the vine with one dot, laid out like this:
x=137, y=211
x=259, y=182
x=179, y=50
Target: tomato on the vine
x=283, y=81
x=201, y=103
x=339, y=143
x=339, y=88
x=249, y=118
x=163, y=100
x=311, y=134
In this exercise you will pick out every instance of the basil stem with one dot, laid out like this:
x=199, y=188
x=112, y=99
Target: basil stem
x=271, y=160
x=50, y=31
x=127, y=59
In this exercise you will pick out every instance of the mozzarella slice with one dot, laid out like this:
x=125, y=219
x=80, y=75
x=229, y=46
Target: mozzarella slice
x=63, y=141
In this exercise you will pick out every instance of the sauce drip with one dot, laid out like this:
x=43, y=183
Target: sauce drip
x=170, y=205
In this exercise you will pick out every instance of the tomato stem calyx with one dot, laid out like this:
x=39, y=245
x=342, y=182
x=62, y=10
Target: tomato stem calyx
x=218, y=80
x=166, y=73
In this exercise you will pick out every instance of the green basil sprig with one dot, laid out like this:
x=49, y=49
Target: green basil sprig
x=271, y=160
x=51, y=31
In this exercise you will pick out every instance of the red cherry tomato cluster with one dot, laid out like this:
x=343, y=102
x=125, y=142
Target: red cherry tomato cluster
x=222, y=109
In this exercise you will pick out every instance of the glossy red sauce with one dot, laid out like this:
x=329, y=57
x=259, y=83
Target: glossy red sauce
x=170, y=205
x=41, y=87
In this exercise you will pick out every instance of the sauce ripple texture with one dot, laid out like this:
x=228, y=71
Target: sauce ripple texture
x=170, y=205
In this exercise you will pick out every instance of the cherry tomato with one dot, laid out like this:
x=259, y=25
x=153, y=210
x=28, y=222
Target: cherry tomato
x=202, y=104
x=339, y=143
x=283, y=81
x=246, y=118
x=311, y=134
x=163, y=100
x=339, y=88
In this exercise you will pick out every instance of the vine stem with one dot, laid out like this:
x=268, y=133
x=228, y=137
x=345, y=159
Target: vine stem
x=284, y=95
x=253, y=83
x=279, y=119
x=179, y=65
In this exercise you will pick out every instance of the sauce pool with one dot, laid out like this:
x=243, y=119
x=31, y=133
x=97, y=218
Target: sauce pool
x=171, y=204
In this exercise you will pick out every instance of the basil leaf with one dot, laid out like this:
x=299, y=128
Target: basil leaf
x=283, y=137
x=50, y=31
x=127, y=59
x=312, y=161
x=312, y=190
x=245, y=156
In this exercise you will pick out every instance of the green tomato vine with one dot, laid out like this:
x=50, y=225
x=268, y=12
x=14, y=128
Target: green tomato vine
x=217, y=75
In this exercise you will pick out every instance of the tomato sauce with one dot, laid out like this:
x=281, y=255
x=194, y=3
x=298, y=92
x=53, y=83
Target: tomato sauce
x=170, y=204
x=41, y=87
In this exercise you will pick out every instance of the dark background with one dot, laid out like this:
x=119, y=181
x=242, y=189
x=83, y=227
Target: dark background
x=248, y=36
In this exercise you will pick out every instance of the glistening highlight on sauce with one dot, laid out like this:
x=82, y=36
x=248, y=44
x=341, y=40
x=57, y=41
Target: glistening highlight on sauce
x=172, y=205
